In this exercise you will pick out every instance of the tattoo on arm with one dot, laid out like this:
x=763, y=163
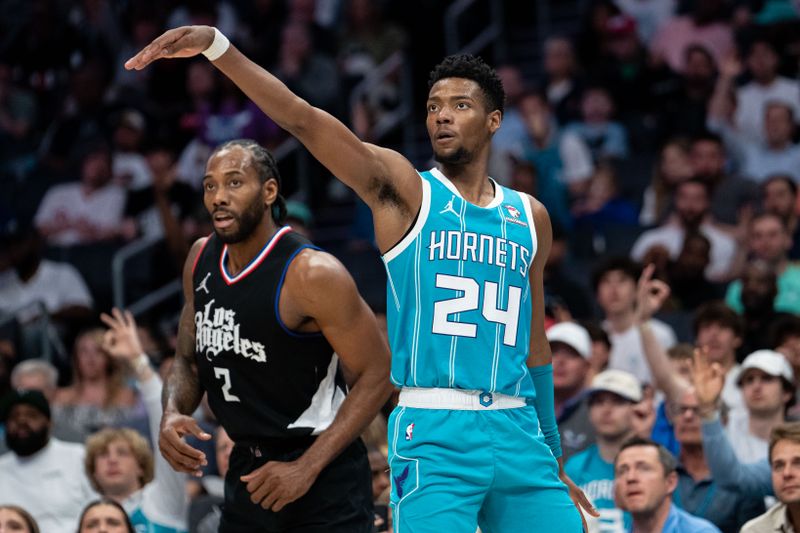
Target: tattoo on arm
x=182, y=391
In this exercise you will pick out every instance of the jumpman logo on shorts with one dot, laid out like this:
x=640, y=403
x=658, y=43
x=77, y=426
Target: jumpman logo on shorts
x=203, y=284
x=448, y=208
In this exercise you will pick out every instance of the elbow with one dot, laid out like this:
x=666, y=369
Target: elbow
x=303, y=118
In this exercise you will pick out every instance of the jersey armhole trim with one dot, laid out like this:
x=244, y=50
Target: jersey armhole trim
x=284, y=327
x=202, y=249
x=526, y=205
x=422, y=217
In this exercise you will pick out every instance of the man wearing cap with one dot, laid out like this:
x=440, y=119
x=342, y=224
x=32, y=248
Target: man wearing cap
x=611, y=399
x=572, y=348
x=40, y=473
x=766, y=381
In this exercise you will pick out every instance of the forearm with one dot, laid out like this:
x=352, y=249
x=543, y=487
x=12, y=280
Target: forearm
x=544, y=402
x=368, y=394
x=663, y=376
x=182, y=391
x=751, y=479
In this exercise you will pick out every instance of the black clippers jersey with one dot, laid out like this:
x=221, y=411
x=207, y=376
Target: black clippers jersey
x=263, y=380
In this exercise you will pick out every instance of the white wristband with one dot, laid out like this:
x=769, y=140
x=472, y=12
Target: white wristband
x=218, y=47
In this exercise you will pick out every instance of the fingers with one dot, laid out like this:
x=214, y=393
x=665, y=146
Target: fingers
x=194, y=428
x=184, y=454
x=160, y=47
x=585, y=503
x=647, y=273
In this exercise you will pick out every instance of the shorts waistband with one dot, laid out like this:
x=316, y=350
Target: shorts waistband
x=457, y=399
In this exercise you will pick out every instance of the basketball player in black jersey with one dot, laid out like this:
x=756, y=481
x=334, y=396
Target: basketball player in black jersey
x=267, y=321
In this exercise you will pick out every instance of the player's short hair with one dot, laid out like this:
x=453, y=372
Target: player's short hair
x=472, y=68
x=667, y=460
x=266, y=168
x=716, y=312
x=789, y=431
x=98, y=443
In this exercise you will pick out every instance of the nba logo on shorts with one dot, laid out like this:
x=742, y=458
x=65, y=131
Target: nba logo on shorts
x=410, y=431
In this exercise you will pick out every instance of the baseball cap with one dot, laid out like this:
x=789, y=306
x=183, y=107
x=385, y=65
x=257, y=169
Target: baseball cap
x=31, y=397
x=573, y=335
x=621, y=25
x=768, y=361
x=619, y=382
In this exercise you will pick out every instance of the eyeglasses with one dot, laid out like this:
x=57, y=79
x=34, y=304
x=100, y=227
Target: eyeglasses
x=680, y=410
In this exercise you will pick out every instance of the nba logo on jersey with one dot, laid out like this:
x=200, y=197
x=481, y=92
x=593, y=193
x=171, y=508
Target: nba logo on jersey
x=410, y=431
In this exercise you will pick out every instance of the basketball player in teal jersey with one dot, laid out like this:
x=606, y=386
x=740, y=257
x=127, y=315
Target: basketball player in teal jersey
x=473, y=440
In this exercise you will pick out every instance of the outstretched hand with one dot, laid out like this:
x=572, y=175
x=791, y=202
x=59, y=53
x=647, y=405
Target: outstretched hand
x=186, y=41
x=708, y=379
x=650, y=294
x=122, y=339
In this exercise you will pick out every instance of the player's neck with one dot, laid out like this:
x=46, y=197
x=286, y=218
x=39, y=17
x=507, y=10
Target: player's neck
x=472, y=181
x=240, y=254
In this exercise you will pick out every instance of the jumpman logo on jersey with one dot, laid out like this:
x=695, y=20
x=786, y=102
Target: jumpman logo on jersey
x=203, y=284
x=448, y=208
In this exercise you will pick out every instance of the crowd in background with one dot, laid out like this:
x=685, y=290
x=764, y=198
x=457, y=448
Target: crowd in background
x=656, y=132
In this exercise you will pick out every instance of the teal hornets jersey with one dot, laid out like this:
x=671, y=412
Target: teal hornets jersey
x=458, y=294
x=595, y=477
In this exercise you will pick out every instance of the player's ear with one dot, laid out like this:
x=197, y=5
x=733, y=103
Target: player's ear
x=269, y=189
x=493, y=120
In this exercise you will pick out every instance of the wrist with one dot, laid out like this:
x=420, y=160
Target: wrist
x=219, y=45
x=708, y=412
x=141, y=363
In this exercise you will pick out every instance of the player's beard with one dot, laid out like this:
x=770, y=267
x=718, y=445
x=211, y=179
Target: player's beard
x=27, y=446
x=460, y=157
x=246, y=223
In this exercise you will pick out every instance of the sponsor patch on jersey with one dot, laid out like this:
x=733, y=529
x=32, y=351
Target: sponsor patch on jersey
x=513, y=216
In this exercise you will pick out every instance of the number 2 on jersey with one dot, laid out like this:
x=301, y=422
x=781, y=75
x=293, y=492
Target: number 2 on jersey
x=470, y=301
x=225, y=374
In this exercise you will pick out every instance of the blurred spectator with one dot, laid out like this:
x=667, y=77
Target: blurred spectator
x=299, y=217
x=697, y=492
x=682, y=100
x=603, y=205
x=612, y=397
x=83, y=212
x=571, y=348
x=605, y=138
x=692, y=213
x=770, y=241
x=305, y=70
x=221, y=14
x=785, y=339
x=645, y=483
x=759, y=289
x=104, y=515
x=31, y=279
x=767, y=384
x=779, y=197
x=99, y=395
x=83, y=118
x=671, y=167
x=561, y=158
x=776, y=154
x=730, y=194
x=650, y=15
x=163, y=209
x=129, y=167
x=307, y=13
x=119, y=462
x=140, y=25
x=507, y=138
x=784, y=458
x=615, y=288
x=718, y=331
x=593, y=38
x=18, y=110
x=367, y=39
x=561, y=83
x=15, y=518
x=686, y=274
x=704, y=26
x=601, y=349
x=762, y=62
x=41, y=473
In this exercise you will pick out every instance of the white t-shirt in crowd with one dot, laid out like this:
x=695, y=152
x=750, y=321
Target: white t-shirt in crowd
x=66, y=204
x=51, y=485
x=748, y=447
x=627, y=351
x=670, y=236
x=56, y=285
x=750, y=98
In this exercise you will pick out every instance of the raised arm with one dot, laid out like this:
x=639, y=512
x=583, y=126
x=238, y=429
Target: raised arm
x=650, y=296
x=384, y=179
x=182, y=391
x=318, y=288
